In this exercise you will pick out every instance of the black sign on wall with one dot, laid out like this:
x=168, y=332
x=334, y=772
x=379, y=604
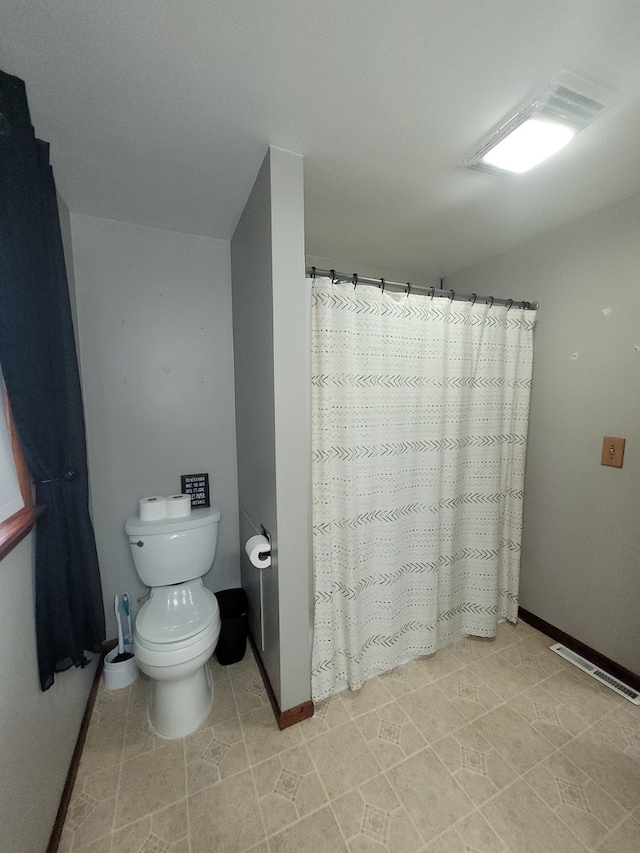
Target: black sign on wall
x=197, y=486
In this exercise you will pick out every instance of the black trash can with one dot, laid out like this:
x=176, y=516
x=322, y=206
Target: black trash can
x=232, y=642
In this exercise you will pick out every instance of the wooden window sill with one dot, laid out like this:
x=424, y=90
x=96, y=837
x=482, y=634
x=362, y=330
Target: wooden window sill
x=14, y=529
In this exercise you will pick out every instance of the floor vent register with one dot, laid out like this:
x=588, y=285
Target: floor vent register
x=597, y=673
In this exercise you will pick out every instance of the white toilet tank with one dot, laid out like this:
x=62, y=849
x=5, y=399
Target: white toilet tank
x=174, y=550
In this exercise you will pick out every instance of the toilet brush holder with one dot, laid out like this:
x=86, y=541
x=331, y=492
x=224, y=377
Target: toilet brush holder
x=121, y=673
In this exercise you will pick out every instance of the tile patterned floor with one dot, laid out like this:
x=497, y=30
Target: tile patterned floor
x=493, y=746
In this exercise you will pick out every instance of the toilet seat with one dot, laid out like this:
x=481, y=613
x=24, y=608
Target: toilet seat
x=175, y=614
x=160, y=655
x=176, y=625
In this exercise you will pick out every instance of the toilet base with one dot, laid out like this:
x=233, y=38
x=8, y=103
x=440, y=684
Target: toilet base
x=178, y=708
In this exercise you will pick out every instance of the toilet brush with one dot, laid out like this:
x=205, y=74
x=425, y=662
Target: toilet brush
x=122, y=655
x=128, y=640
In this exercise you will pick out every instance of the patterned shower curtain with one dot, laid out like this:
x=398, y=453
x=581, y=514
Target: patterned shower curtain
x=420, y=411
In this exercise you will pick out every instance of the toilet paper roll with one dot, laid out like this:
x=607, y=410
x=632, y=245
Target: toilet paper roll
x=178, y=506
x=152, y=508
x=258, y=550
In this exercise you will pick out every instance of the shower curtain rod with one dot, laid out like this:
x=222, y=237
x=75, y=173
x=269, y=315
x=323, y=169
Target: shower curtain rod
x=355, y=280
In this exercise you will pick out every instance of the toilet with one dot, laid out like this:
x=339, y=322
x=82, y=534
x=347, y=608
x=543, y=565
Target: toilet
x=178, y=626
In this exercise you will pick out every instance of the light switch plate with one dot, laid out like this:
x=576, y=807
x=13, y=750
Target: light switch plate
x=612, y=451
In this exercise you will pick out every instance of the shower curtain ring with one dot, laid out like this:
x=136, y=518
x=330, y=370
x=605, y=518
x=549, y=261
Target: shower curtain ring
x=527, y=305
x=408, y=288
x=355, y=280
x=475, y=296
x=333, y=276
x=433, y=292
x=313, y=273
x=382, y=284
x=490, y=304
x=453, y=295
x=509, y=304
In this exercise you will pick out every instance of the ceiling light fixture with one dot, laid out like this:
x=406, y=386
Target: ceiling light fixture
x=543, y=126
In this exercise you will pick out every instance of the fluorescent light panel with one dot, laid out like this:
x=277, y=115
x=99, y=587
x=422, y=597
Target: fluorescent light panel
x=529, y=144
x=542, y=127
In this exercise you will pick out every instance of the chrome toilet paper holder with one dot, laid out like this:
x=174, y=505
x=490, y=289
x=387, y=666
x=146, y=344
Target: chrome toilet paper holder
x=267, y=554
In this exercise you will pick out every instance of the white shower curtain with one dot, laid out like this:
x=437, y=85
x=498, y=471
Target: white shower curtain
x=420, y=410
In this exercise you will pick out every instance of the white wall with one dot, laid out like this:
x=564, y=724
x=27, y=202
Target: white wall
x=155, y=342
x=271, y=340
x=38, y=731
x=252, y=287
x=291, y=321
x=581, y=549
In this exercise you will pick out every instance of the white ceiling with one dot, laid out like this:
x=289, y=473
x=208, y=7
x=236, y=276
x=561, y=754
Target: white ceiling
x=160, y=111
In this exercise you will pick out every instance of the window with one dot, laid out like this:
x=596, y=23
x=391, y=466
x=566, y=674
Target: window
x=10, y=494
x=17, y=512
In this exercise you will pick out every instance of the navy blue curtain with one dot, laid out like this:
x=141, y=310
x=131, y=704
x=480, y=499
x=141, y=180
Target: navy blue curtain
x=38, y=357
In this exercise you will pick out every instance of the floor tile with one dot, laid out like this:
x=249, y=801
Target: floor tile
x=343, y=759
x=372, y=818
x=150, y=782
x=139, y=736
x=433, y=667
x=431, y=796
x=139, y=691
x=91, y=810
x=521, y=630
x=404, y=679
x=317, y=832
x=424, y=759
x=471, y=649
x=99, y=845
x=536, y=658
x=468, y=693
x=624, y=839
x=371, y=695
x=472, y=833
x=165, y=830
x=327, y=715
x=526, y=825
x=622, y=727
x=509, y=671
x=433, y=714
x=262, y=736
x=248, y=690
x=103, y=745
x=390, y=734
x=288, y=788
x=101, y=785
x=514, y=738
x=225, y=816
x=475, y=763
x=111, y=703
x=608, y=766
x=224, y=704
x=214, y=753
x=586, y=697
x=584, y=806
x=548, y=715
x=89, y=819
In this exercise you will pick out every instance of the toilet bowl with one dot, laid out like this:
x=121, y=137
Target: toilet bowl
x=178, y=627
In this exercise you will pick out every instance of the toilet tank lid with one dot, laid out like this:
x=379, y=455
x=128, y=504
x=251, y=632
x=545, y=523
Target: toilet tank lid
x=198, y=518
